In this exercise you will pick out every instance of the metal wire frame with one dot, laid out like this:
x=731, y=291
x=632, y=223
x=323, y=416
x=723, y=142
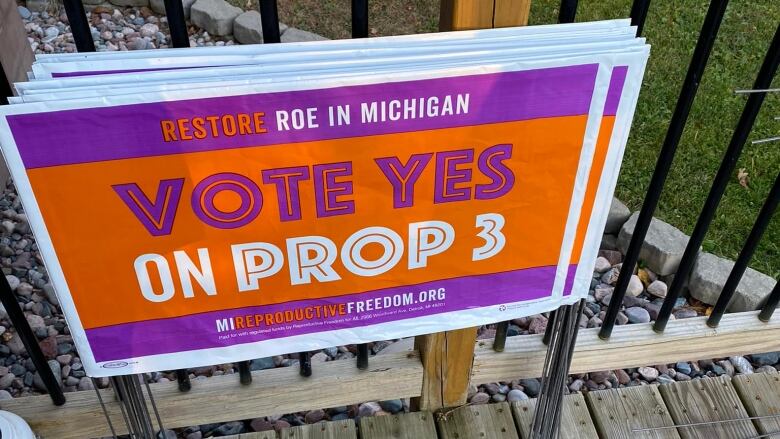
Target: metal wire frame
x=738, y=140
x=690, y=86
x=762, y=221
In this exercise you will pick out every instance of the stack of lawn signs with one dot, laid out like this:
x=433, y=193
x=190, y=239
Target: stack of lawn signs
x=209, y=205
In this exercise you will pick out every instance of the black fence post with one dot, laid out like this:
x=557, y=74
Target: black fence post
x=738, y=139
x=568, y=11
x=764, y=217
x=639, y=14
x=16, y=315
x=183, y=378
x=304, y=359
x=362, y=356
x=690, y=86
x=269, y=16
x=771, y=303
x=79, y=26
x=244, y=373
x=359, y=18
x=176, y=23
x=499, y=342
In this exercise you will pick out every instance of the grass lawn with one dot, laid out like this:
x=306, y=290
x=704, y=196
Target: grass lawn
x=672, y=28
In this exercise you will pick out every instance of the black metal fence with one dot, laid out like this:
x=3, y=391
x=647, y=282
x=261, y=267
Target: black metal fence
x=567, y=12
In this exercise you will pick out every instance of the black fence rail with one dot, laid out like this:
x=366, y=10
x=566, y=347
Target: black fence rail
x=567, y=12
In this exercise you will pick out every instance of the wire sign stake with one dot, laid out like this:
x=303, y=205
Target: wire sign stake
x=563, y=327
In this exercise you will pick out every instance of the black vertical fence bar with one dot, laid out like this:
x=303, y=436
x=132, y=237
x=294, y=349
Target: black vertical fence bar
x=304, y=358
x=176, y=23
x=762, y=221
x=682, y=109
x=183, y=378
x=568, y=11
x=5, y=87
x=79, y=26
x=738, y=139
x=359, y=18
x=771, y=303
x=362, y=356
x=19, y=321
x=639, y=14
x=244, y=374
x=499, y=342
x=269, y=16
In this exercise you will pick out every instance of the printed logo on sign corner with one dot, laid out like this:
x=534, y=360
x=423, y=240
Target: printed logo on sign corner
x=115, y=364
x=502, y=307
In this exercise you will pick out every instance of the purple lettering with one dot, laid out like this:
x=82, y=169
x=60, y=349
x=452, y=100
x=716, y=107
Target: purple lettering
x=287, y=189
x=449, y=175
x=490, y=163
x=204, y=206
x=327, y=190
x=156, y=217
x=403, y=177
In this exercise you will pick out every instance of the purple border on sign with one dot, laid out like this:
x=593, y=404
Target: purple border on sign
x=131, y=131
x=199, y=331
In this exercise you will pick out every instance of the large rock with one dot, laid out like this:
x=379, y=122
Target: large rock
x=709, y=275
x=159, y=6
x=618, y=215
x=216, y=16
x=135, y=3
x=248, y=28
x=293, y=35
x=663, y=247
x=37, y=5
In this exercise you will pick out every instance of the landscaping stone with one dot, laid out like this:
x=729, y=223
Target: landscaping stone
x=248, y=28
x=635, y=286
x=657, y=288
x=515, y=395
x=636, y=314
x=618, y=215
x=158, y=6
x=215, y=16
x=709, y=276
x=135, y=3
x=602, y=265
x=37, y=5
x=663, y=246
x=293, y=35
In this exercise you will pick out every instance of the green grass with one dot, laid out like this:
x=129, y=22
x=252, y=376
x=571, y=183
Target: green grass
x=672, y=27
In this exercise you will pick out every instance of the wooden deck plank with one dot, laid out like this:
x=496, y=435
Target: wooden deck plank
x=254, y=435
x=575, y=418
x=616, y=412
x=489, y=421
x=344, y=429
x=416, y=425
x=389, y=377
x=706, y=400
x=760, y=395
x=631, y=346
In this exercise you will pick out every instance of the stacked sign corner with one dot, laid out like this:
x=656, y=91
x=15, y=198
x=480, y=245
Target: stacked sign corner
x=203, y=206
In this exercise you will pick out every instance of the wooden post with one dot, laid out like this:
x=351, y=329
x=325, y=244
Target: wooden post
x=16, y=59
x=482, y=14
x=447, y=357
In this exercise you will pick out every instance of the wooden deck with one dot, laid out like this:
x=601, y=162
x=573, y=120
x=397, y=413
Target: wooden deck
x=685, y=410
